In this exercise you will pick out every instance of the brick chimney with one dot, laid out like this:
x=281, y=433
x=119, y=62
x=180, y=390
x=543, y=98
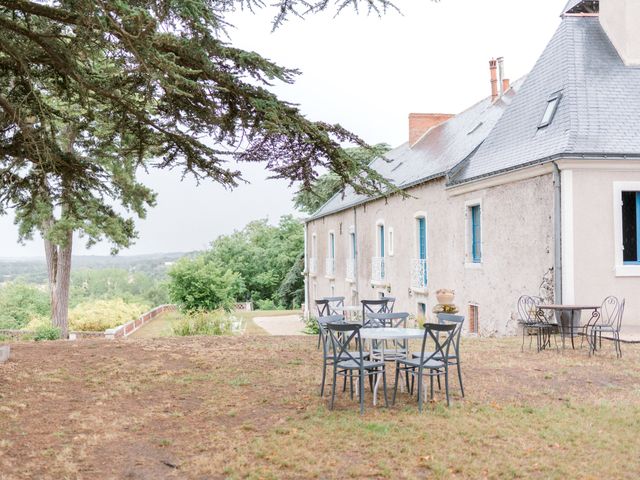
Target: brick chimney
x=421, y=123
x=620, y=19
x=493, y=69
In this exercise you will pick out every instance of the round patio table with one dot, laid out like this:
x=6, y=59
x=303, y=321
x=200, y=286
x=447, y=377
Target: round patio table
x=388, y=334
x=568, y=318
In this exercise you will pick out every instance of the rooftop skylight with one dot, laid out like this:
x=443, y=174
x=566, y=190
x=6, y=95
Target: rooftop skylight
x=550, y=111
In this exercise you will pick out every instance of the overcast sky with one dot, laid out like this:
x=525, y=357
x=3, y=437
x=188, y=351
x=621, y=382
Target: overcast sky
x=364, y=72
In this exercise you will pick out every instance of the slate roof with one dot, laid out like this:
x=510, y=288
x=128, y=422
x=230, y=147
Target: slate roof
x=598, y=115
x=438, y=151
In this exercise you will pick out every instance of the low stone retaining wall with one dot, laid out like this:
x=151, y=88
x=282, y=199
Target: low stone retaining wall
x=118, y=332
x=128, y=328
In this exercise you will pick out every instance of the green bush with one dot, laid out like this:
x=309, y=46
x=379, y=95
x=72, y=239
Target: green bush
x=267, y=304
x=20, y=303
x=99, y=315
x=311, y=325
x=46, y=332
x=204, y=323
x=201, y=285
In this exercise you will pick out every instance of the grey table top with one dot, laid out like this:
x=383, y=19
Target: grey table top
x=568, y=307
x=391, y=333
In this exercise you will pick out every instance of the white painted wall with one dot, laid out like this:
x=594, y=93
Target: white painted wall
x=621, y=20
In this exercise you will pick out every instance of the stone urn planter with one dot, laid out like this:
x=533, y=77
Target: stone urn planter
x=4, y=353
x=445, y=296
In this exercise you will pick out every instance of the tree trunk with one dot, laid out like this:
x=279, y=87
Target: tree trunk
x=59, y=272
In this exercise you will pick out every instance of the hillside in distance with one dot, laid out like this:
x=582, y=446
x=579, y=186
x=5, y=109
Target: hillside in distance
x=33, y=269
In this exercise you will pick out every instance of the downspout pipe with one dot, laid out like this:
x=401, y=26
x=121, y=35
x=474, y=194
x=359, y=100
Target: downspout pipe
x=306, y=274
x=357, y=251
x=557, y=233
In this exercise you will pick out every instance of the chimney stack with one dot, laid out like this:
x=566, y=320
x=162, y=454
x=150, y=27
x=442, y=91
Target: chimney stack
x=620, y=19
x=493, y=65
x=421, y=123
x=500, y=75
x=506, y=84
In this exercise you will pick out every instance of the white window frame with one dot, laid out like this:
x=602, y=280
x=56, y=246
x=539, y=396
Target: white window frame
x=468, y=259
x=621, y=269
x=331, y=233
x=390, y=241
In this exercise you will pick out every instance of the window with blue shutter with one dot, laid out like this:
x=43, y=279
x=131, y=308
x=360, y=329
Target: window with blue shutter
x=476, y=234
x=422, y=248
x=631, y=227
x=353, y=246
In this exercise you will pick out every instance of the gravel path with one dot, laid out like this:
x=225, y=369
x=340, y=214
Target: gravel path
x=281, y=325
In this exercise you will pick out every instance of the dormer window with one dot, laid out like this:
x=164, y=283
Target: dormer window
x=550, y=111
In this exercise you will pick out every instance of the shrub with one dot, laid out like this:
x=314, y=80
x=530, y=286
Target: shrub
x=200, y=285
x=20, y=302
x=311, y=325
x=46, y=332
x=98, y=315
x=267, y=304
x=204, y=323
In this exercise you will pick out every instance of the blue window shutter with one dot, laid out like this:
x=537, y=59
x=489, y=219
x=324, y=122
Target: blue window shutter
x=381, y=227
x=422, y=236
x=476, y=241
x=353, y=245
x=332, y=245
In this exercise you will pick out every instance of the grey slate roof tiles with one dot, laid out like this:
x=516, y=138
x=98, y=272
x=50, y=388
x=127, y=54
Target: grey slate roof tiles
x=598, y=115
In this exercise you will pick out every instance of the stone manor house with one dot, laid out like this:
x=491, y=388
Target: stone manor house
x=534, y=189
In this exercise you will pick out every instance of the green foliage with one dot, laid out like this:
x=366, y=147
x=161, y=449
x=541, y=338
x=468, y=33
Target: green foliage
x=201, y=285
x=109, y=283
x=311, y=325
x=309, y=200
x=20, y=303
x=204, y=323
x=264, y=255
x=46, y=332
x=98, y=315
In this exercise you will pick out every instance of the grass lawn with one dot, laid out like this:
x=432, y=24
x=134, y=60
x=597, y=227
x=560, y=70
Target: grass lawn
x=163, y=325
x=247, y=407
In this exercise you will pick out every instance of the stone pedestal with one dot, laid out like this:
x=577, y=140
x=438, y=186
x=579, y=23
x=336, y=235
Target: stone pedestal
x=4, y=353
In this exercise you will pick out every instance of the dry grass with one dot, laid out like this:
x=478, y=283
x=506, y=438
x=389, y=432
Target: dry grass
x=247, y=407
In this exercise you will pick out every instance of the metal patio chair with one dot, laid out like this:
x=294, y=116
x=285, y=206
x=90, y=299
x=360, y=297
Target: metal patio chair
x=430, y=363
x=609, y=322
x=453, y=359
x=323, y=311
x=389, y=350
x=532, y=323
x=373, y=306
x=335, y=302
x=350, y=364
x=391, y=303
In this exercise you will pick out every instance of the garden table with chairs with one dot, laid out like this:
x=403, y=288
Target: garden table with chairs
x=568, y=318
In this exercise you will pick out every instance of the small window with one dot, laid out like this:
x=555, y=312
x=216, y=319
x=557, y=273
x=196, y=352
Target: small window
x=352, y=243
x=550, y=111
x=391, y=241
x=473, y=319
x=381, y=241
x=332, y=245
x=476, y=234
x=422, y=311
x=631, y=227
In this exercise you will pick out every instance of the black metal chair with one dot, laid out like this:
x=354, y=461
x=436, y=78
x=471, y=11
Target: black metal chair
x=373, y=306
x=399, y=348
x=609, y=322
x=533, y=324
x=323, y=311
x=327, y=351
x=431, y=362
x=391, y=303
x=453, y=359
x=348, y=364
x=335, y=302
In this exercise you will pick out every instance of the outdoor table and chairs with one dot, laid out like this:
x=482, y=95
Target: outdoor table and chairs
x=568, y=318
x=544, y=320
